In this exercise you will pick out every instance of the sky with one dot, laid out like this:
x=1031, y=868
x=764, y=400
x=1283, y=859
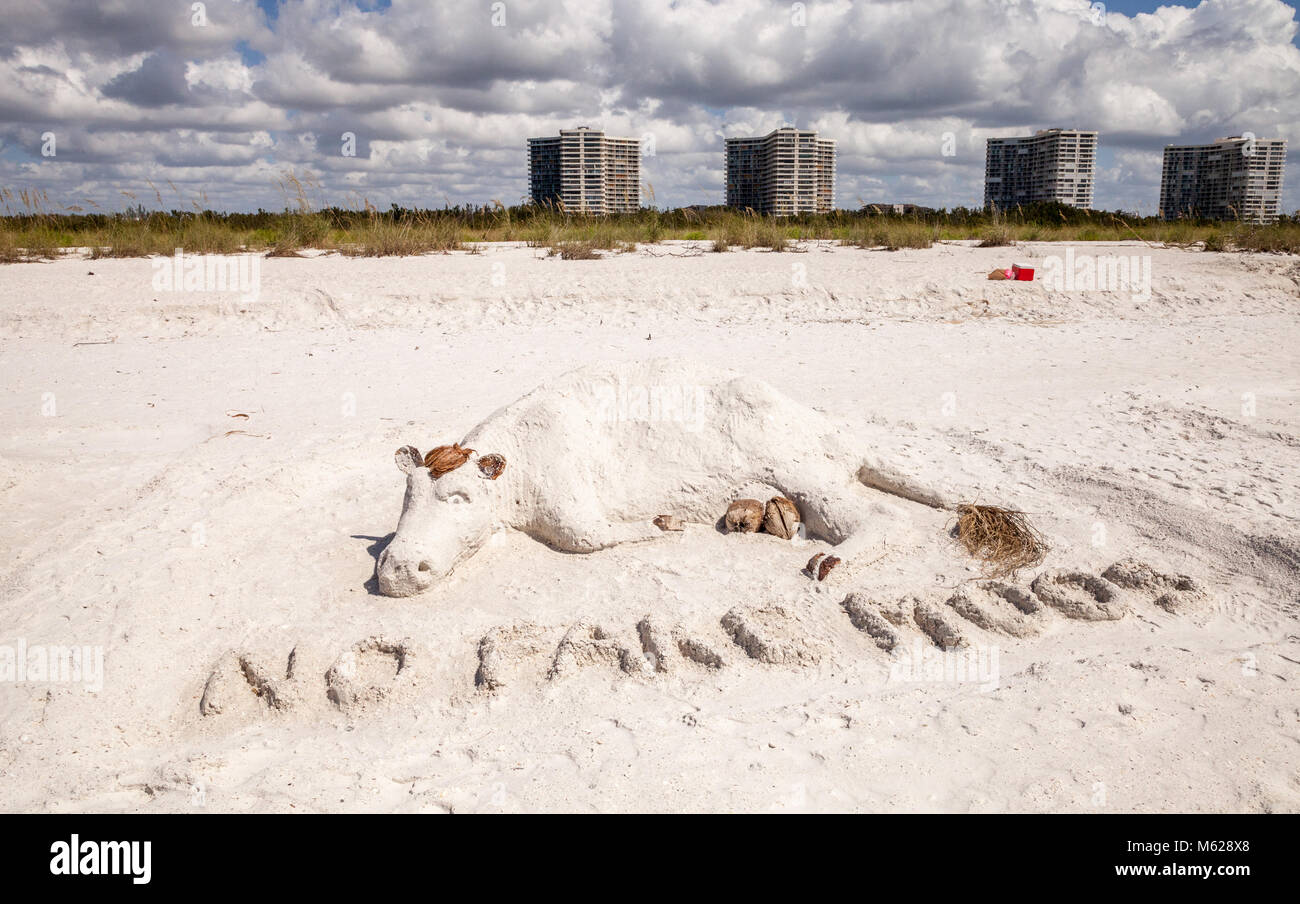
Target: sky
x=214, y=103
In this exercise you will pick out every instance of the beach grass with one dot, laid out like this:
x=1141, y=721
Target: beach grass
x=32, y=229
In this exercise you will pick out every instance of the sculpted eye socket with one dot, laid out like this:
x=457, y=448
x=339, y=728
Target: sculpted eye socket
x=457, y=498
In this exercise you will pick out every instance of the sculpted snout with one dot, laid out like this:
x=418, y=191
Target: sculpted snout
x=445, y=517
x=404, y=572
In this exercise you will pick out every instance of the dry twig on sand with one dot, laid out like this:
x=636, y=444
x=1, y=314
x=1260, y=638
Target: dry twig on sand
x=1002, y=539
x=687, y=252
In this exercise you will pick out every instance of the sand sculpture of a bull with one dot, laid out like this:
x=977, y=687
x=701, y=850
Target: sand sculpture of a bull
x=592, y=458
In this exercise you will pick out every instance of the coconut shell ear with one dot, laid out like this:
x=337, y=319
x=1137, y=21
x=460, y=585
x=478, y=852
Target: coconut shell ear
x=491, y=465
x=408, y=459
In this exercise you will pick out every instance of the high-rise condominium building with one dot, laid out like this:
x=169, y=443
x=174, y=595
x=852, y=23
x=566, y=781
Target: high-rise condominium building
x=785, y=172
x=586, y=171
x=1050, y=165
x=1234, y=178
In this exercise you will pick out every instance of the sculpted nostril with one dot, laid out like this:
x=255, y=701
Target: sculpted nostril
x=424, y=566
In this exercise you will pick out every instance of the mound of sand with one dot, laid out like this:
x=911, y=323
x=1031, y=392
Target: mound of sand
x=201, y=503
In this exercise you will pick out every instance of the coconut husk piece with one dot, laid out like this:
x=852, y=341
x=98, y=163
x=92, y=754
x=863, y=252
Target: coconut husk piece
x=781, y=517
x=820, y=565
x=744, y=516
x=1003, y=539
x=446, y=458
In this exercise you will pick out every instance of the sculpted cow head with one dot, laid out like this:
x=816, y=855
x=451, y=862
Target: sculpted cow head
x=444, y=520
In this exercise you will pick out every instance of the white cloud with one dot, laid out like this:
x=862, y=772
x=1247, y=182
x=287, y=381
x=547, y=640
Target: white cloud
x=441, y=98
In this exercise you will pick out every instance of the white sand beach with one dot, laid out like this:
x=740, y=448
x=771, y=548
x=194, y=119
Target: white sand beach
x=196, y=486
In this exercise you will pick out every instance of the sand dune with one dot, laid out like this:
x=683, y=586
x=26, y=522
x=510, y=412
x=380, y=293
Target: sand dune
x=203, y=496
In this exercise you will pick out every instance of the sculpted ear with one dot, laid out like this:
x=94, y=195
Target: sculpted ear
x=491, y=465
x=408, y=458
